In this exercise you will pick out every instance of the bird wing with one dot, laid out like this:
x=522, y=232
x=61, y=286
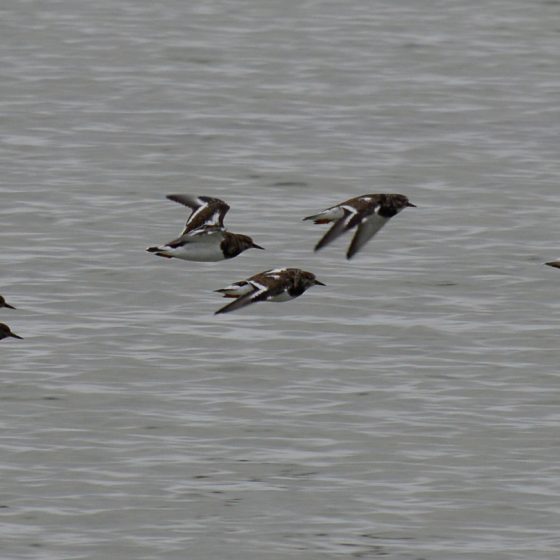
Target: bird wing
x=206, y=211
x=339, y=227
x=259, y=293
x=367, y=228
x=200, y=235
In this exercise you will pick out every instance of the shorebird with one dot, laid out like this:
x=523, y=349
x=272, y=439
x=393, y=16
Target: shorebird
x=369, y=213
x=279, y=284
x=204, y=237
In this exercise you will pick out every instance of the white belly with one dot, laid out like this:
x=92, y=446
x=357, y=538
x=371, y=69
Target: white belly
x=202, y=252
x=284, y=296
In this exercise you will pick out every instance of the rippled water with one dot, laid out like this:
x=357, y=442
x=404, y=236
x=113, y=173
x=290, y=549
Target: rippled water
x=409, y=410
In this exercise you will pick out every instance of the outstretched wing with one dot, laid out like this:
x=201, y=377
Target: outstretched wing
x=206, y=211
x=339, y=227
x=366, y=230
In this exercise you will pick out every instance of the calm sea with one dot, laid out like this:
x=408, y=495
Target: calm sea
x=409, y=410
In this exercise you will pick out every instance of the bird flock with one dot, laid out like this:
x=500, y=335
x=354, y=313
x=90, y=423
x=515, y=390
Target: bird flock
x=205, y=238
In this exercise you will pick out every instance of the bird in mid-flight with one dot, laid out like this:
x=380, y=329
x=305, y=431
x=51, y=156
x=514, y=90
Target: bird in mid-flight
x=279, y=284
x=368, y=213
x=204, y=237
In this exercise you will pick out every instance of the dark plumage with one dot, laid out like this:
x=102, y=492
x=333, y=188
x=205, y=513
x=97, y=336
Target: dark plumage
x=204, y=237
x=4, y=303
x=368, y=213
x=5, y=332
x=206, y=211
x=280, y=284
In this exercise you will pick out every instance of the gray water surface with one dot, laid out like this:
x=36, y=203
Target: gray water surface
x=409, y=410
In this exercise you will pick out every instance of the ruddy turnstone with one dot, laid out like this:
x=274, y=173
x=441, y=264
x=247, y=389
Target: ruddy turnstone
x=555, y=264
x=4, y=303
x=279, y=284
x=369, y=212
x=5, y=331
x=204, y=237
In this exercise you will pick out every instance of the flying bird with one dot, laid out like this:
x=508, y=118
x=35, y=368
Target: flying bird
x=204, y=237
x=368, y=213
x=279, y=284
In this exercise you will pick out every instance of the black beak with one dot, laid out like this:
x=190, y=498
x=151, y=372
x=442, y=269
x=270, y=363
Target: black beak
x=319, y=283
x=411, y=205
x=8, y=305
x=255, y=246
x=555, y=264
x=16, y=336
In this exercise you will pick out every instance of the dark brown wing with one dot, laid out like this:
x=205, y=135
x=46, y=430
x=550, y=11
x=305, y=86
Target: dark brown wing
x=366, y=230
x=206, y=211
x=266, y=286
x=335, y=231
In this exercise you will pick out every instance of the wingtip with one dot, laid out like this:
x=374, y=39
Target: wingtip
x=185, y=199
x=320, y=245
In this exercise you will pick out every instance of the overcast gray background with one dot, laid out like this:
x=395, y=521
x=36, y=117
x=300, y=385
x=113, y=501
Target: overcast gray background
x=409, y=410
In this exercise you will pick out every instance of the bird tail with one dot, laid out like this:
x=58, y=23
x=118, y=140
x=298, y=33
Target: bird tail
x=159, y=251
x=318, y=218
x=227, y=293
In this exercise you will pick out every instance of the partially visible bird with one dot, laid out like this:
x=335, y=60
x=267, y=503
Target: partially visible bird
x=369, y=213
x=279, y=284
x=5, y=332
x=204, y=237
x=4, y=303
